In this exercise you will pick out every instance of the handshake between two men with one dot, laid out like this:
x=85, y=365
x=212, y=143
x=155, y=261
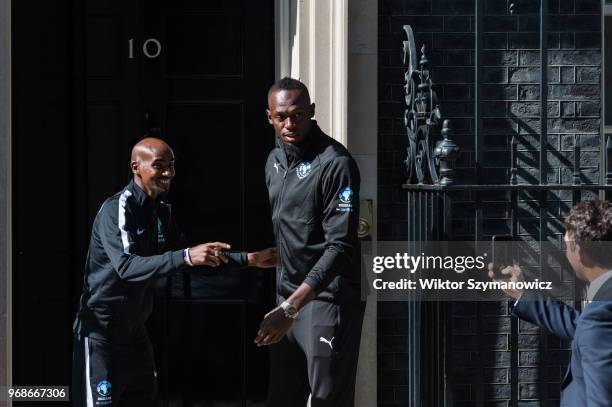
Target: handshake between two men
x=216, y=253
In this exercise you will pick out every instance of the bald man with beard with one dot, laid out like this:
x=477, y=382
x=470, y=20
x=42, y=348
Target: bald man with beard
x=134, y=240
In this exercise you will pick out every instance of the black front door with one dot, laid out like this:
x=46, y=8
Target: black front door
x=193, y=72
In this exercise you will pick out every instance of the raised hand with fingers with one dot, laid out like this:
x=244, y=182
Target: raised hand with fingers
x=512, y=274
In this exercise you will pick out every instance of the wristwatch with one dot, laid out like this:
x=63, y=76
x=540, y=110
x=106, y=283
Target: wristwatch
x=290, y=310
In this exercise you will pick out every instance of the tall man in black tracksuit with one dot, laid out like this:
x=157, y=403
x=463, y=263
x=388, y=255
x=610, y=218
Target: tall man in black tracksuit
x=313, y=185
x=134, y=240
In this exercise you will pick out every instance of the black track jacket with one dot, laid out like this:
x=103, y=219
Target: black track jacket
x=315, y=213
x=133, y=241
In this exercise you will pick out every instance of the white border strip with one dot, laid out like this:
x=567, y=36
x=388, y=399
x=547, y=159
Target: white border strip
x=7, y=48
x=89, y=396
x=602, y=96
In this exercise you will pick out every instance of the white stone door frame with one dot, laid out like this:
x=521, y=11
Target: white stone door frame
x=311, y=45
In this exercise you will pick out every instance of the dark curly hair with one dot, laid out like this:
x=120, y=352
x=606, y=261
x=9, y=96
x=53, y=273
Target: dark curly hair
x=590, y=225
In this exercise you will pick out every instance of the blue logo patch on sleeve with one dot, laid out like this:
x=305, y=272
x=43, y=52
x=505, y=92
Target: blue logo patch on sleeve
x=346, y=197
x=104, y=393
x=104, y=388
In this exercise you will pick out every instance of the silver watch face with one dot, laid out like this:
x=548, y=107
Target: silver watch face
x=290, y=311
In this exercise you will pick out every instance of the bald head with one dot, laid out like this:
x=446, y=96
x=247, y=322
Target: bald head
x=149, y=147
x=152, y=164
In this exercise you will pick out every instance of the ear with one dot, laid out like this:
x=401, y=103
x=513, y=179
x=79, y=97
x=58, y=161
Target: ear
x=134, y=167
x=312, y=110
x=583, y=257
x=269, y=116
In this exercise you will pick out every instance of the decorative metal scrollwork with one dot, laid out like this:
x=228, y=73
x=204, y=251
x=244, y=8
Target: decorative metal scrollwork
x=430, y=160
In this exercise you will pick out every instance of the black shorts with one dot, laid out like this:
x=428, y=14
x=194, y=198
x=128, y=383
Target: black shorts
x=105, y=374
x=318, y=356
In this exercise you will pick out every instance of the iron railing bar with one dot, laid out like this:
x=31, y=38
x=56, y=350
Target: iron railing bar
x=543, y=163
x=415, y=313
x=408, y=216
x=479, y=324
x=543, y=89
x=576, y=169
x=478, y=219
x=419, y=304
x=514, y=327
x=608, y=147
x=578, y=285
x=439, y=374
x=412, y=305
x=448, y=362
x=430, y=228
x=447, y=217
x=411, y=214
x=543, y=200
x=439, y=350
x=478, y=18
x=415, y=218
x=243, y=359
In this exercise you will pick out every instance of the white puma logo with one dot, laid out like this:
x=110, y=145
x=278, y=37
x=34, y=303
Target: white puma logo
x=322, y=339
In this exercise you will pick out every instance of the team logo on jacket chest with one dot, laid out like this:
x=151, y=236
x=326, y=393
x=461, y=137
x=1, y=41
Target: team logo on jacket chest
x=303, y=169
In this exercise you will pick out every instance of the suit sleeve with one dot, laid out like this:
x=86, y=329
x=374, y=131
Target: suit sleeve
x=594, y=342
x=549, y=314
x=340, y=193
x=116, y=232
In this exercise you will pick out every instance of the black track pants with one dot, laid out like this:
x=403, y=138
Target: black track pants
x=105, y=374
x=318, y=355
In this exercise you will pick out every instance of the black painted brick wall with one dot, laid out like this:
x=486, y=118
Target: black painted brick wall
x=481, y=339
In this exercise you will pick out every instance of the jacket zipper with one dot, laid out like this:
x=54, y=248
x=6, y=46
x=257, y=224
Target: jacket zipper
x=278, y=229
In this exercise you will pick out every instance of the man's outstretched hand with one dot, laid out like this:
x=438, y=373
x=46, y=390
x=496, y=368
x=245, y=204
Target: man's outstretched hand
x=265, y=258
x=510, y=274
x=274, y=326
x=208, y=254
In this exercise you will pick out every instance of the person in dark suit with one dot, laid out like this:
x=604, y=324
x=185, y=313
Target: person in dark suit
x=588, y=380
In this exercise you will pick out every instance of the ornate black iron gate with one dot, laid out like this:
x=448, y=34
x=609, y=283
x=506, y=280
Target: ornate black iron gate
x=431, y=188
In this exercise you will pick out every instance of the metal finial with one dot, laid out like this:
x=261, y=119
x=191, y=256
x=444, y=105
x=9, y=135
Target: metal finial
x=513, y=161
x=576, y=177
x=609, y=160
x=446, y=152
